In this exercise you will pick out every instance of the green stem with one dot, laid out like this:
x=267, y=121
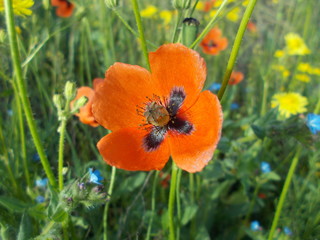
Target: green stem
x=284, y=192
x=178, y=203
x=175, y=31
x=62, y=130
x=264, y=97
x=172, y=195
x=209, y=25
x=255, y=194
x=125, y=23
x=236, y=46
x=193, y=8
x=106, y=208
x=141, y=32
x=23, y=91
x=153, y=203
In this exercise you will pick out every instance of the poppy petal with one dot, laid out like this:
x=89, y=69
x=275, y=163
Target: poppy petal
x=125, y=149
x=85, y=113
x=118, y=97
x=96, y=82
x=65, y=9
x=175, y=65
x=191, y=152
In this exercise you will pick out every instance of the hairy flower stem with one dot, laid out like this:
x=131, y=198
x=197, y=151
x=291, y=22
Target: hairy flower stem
x=284, y=192
x=153, y=203
x=178, y=203
x=175, y=31
x=23, y=91
x=209, y=26
x=62, y=130
x=172, y=195
x=236, y=46
x=106, y=208
x=141, y=32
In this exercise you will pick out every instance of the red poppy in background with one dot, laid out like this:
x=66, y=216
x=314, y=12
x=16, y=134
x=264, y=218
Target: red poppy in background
x=64, y=8
x=213, y=42
x=235, y=78
x=252, y=27
x=85, y=113
x=158, y=114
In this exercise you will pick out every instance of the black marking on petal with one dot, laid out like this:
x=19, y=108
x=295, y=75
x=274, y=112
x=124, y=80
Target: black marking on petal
x=176, y=99
x=180, y=125
x=154, y=139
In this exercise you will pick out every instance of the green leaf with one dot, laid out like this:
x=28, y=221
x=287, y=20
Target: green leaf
x=189, y=212
x=25, y=229
x=202, y=234
x=13, y=204
x=271, y=176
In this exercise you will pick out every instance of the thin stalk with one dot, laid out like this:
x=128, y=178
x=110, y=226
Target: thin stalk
x=236, y=46
x=264, y=97
x=178, y=203
x=23, y=91
x=153, y=203
x=141, y=32
x=106, y=208
x=126, y=24
x=209, y=25
x=284, y=192
x=172, y=195
x=62, y=130
x=255, y=194
x=193, y=8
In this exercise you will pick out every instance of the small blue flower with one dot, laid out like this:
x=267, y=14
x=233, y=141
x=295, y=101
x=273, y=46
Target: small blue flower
x=255, y=226
x=40, y=199
x=313, y=123
x=265, y=167
x=234, y=106
x=41, y=183
x=95, y=176
x=215, y=87
x=287, y=231
x=36, y=157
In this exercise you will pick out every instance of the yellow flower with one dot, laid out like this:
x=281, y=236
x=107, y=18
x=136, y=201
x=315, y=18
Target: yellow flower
x=285, y=72
x=245, y=3
x=20, y=7
x=166, y=16
x=289, y=103
x=18, y=30
x=303, y=77
x=200, y=6
x=304, y=67
x=149, y=11
x=279, y=53
x=296, y=45
x=234, y=15
x=275, y=1
x=315, y=71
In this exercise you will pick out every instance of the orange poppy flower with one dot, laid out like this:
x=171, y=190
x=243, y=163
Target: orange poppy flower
x=235, y=78
x=213, y=42
x=252, y=27
x=85, y=113
x=64, y=8
x=158, y=114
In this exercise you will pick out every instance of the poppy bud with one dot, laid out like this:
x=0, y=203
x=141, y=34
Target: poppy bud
x=58, y=101
x=69, y=91
x=79, y=104
x=189, y=30
x=112, y=3
x=181, y=4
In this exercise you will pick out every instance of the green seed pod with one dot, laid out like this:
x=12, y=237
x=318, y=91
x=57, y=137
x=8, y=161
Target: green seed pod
x=70, y=91
x=111, y=3
x=181, y=4
x=189, y=30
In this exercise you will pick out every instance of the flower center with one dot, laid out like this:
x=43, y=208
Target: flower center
x=156, y=114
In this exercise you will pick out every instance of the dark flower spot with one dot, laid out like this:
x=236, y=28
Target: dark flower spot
x=153, y=139
x=177, y=97
x=180, y=126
